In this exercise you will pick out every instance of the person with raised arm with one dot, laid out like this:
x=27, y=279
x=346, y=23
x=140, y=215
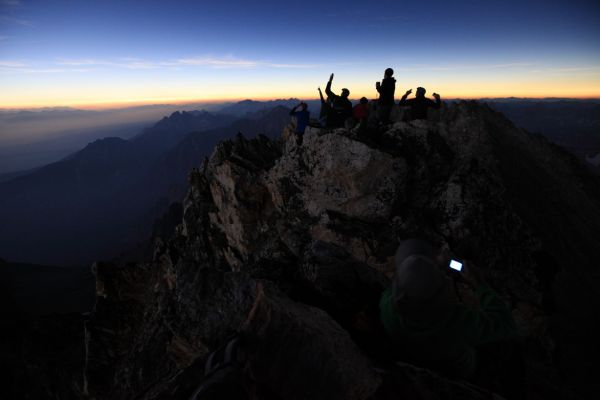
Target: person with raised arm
x=325, y=114
x=302, y=119
x=420, y=104
x=341, y=105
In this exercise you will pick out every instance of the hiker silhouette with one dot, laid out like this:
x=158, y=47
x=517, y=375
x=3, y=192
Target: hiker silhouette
x=386, y=89
x=325, y=114
x=341, y=105
x=360, y=112
x=302, y=119
x=420, y=104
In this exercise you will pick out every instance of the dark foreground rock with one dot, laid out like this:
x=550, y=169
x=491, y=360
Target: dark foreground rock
x=290, y=247
x=42, y=357
x=42, y=348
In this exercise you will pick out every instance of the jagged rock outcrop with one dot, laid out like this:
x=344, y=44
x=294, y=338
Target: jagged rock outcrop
x=292, y=246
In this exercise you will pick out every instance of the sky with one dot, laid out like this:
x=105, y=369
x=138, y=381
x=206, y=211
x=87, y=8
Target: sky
x=104, y=53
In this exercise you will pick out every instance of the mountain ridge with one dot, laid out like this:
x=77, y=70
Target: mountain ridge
x=315, y=228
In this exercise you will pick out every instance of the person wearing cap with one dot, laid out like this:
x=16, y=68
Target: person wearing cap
x=386, y=89
x=426, y=322
x=420, y=104
x=342, y=106
x=302, y=119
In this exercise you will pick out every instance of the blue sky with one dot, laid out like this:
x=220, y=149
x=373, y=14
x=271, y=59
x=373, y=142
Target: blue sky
x=86, y=52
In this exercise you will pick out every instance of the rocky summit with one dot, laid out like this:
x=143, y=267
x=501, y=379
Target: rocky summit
x=290, y=246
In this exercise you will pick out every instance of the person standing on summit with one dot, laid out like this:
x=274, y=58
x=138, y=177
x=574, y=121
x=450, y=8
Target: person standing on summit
x=420, y=104
x=386, y=89
x=342, y=106
x=302, y=119
x=360, y=112
x=325, y=114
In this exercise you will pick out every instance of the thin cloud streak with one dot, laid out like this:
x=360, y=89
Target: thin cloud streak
x=454, y=67
x=12, y=71
x=300, y=66
x=11, y=20
x=8, y=67
x=200, y=61
x=12, y=64
x=81, y=62
x=128, y=63
x=217, y=62
x=565, y=70
x=93, y=64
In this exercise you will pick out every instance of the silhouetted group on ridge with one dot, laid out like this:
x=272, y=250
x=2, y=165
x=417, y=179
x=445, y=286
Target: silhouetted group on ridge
x=337, y=110
x=421, y=318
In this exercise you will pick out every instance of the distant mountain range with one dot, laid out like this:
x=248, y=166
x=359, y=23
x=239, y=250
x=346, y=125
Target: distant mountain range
x=253, y=107
x=18, y=158
x=572, y=124
x=104, y=198
x=33, y=138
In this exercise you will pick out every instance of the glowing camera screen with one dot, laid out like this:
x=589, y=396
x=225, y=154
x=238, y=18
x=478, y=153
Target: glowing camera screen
x=455, y=265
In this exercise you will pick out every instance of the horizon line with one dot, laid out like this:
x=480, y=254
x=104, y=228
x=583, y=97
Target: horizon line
x=167, y=102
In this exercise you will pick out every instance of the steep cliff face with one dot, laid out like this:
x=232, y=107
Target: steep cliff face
x=292, y=245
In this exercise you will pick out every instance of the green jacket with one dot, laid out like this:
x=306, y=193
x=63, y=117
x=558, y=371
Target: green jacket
x=449, y=343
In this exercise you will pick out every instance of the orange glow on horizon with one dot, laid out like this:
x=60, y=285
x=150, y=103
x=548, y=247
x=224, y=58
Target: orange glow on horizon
x=110, y=104
x=473, y=89
x=120, y=93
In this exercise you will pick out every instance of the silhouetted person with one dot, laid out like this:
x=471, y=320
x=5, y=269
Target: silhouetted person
x=360, y=112
x=427, y=323
x=420, y=104
x=302, y=119
x=342, y=106
x=326, y=112
x=386, y=90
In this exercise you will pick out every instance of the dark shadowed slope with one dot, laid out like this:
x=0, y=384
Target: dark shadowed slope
x=43, y=289
x=42, y=339
x=575, y=125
